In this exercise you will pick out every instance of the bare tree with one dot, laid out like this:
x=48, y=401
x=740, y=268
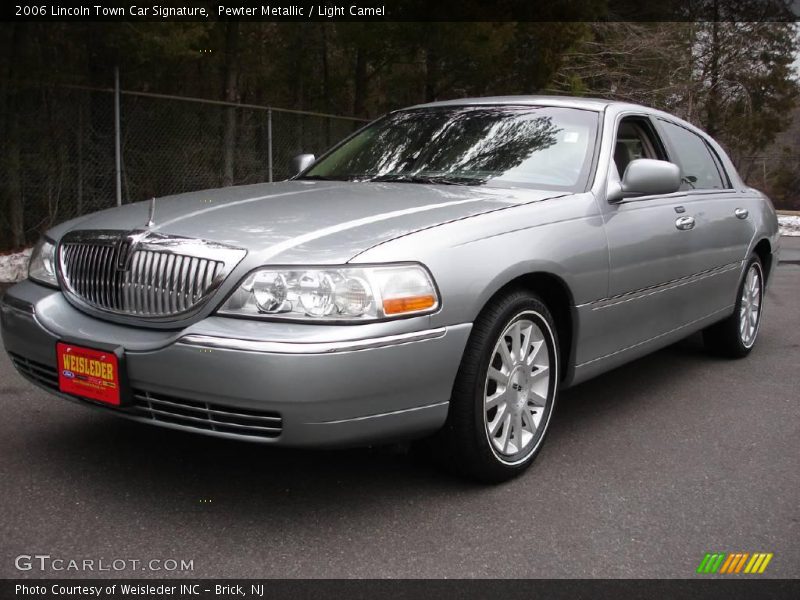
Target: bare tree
x=231, y=95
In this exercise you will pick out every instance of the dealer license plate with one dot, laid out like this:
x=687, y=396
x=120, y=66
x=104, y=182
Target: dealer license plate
x=88, y=373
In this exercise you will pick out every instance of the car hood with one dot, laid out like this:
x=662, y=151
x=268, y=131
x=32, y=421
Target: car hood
x=320, y=222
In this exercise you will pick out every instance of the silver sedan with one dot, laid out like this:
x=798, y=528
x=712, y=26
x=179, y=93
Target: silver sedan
x=440, y=275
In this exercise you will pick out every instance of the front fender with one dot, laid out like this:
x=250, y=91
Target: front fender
x=474, y=258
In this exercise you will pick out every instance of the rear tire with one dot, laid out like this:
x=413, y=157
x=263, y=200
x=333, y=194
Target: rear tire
x=735, y=336
x=505, y=391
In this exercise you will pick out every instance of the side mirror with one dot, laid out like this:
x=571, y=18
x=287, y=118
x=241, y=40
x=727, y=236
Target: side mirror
x=646, y=177
x=301, y=162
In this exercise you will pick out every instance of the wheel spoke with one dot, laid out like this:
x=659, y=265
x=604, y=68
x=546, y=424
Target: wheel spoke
x=534, y=354
x=505, y=355
x=538, y=398
x=497, y=375
x=527, y=417
x=517, y=430
x=516, y=342
x=539, y=373
x=496, y=399
x=506, y=435
x=498, y=419
x=527, y=332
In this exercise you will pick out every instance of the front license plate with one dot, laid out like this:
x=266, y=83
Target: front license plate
x=88, y=373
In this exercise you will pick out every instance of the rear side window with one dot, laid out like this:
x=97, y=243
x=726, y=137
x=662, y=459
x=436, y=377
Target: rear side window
x=698, y=167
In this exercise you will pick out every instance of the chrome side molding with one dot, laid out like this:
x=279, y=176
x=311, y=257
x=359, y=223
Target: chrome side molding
x=222, y=343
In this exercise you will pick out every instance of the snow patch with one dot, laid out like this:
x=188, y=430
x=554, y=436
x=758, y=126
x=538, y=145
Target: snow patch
x=14, y=267
x=789, y=224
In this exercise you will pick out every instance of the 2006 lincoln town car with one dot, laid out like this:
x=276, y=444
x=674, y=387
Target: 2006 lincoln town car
x=441, y=273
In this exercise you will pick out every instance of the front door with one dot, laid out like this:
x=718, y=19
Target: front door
x=655, y=250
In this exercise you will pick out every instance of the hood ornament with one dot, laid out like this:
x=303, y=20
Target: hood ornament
x=150, y=220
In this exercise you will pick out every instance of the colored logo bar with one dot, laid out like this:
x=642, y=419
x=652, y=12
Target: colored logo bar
x=732, y=563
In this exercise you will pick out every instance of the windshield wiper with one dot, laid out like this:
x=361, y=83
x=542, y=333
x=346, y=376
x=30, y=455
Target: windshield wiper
x=427, y=179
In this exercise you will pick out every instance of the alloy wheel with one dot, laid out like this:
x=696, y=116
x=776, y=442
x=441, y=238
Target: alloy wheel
x=518, y=390
x=750, y=305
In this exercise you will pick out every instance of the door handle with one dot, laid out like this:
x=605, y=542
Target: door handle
x=684, y=223
x=741, y=213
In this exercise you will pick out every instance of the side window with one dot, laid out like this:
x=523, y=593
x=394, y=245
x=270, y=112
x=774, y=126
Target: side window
x=636, y=139
x=698, y=167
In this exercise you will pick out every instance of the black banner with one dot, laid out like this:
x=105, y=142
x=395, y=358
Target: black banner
x=404, y=10
x=316, y=589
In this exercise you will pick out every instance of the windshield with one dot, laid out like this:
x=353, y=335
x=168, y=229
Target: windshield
x=503, y=146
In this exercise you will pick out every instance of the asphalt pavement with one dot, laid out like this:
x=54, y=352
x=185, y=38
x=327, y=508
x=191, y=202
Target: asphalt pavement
x=646, y=469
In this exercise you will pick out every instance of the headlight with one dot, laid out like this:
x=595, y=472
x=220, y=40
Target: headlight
x=336, y=293
x=42, y=266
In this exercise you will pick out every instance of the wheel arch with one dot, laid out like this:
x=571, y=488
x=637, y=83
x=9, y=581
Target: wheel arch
x=763, y=249
x=556, y=294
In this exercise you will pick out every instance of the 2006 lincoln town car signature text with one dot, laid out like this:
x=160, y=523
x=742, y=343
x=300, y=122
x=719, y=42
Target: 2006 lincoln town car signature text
x=439, y=275
x=166, y=12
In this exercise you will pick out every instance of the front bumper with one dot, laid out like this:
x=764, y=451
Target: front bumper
x=281, y=383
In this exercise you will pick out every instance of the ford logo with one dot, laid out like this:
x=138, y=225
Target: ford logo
x=68, y=374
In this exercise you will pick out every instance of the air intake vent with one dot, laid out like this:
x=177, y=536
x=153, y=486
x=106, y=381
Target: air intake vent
x=44, y=375
x=161, y=408
x=202, y=415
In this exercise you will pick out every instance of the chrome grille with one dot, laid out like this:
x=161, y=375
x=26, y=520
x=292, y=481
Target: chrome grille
x=143, y=275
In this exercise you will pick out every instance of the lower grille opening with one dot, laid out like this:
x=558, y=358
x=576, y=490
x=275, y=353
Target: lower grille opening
x=164, y=408
x=204, y=415
x=42, y=374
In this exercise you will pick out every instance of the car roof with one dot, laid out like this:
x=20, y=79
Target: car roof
x=596, y=104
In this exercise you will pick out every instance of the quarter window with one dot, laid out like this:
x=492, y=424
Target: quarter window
x=698, y=169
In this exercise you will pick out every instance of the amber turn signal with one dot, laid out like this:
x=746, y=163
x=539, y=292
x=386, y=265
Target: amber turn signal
x=396, y=306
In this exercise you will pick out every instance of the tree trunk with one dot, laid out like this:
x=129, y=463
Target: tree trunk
x=11, y=138
x=298, y=85
x=231, y=95
x=326, y=89
x=79, y=157
x=712, y=104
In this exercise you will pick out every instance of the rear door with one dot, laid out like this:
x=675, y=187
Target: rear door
x=723, y=227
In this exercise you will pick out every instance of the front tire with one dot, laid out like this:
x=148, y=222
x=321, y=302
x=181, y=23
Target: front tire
x=505, y=390
x=735, y=336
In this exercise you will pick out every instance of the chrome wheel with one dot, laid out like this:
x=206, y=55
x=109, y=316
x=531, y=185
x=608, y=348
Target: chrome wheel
x=750, y=305
x=518, y=390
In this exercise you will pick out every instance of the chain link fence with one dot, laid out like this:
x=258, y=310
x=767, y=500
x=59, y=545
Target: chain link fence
x=62, y=164
x=58, y=159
